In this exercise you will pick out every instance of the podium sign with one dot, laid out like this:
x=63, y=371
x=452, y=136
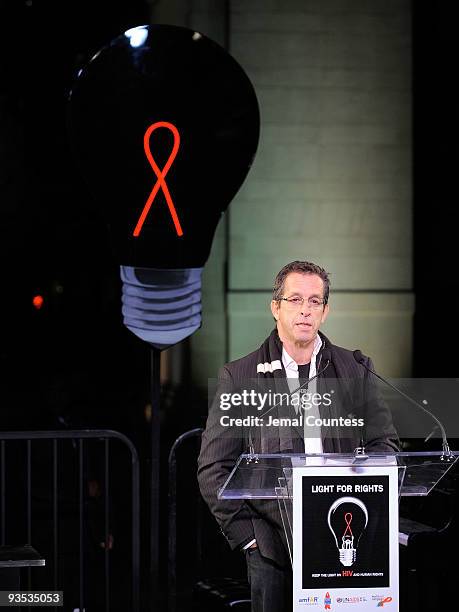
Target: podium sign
x=345, y=537
x=340, y=517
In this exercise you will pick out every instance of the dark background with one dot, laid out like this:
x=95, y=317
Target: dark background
x=435, y=135
x=72, y=363
x=75, y=349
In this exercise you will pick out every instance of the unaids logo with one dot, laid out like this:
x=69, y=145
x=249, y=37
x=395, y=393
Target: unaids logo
x=327, y=601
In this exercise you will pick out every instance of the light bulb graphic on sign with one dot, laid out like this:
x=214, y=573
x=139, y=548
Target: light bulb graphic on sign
x=347, y=520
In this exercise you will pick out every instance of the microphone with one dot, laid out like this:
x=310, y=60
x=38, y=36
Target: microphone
x=325, y=355
x=447, y=454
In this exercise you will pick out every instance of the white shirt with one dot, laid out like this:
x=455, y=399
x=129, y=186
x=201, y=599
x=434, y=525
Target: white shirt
x=291, y=367
x=311, y=444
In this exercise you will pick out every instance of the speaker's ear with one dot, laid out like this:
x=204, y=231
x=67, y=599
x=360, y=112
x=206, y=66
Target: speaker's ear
x=275, y=309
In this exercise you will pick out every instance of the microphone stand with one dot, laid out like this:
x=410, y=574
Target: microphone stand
x=447, y=455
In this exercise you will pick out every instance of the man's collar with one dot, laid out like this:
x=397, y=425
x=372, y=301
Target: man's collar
x=288, y=361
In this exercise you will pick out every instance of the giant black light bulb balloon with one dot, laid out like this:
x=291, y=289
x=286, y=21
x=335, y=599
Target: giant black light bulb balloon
x=165, y=125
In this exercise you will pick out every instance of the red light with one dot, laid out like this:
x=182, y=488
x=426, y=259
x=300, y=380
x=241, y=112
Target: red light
x=161, y=176
x=38, y=301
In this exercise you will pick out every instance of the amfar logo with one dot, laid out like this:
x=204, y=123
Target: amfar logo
x=311, y=600
x=327, y=601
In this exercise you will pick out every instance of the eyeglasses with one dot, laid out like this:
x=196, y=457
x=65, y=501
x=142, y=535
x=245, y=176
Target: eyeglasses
x=297, y=301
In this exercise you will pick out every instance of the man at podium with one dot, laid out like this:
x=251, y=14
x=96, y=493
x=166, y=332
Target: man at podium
x=296, y=354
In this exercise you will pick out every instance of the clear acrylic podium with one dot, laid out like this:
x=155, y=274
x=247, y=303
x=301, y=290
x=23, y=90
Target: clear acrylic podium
x=269, y=476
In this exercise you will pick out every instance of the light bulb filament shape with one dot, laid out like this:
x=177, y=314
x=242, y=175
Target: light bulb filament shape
x=161, y=176
x=348, y=519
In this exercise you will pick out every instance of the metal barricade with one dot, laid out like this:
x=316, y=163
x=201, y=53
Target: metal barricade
x=43, y=518
x=172, y=518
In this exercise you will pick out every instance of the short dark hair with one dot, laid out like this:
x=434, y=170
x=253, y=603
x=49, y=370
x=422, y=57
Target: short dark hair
x=303, y=267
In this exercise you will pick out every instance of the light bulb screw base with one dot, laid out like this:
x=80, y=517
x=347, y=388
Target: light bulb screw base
x=347, y=556
x=161, y=306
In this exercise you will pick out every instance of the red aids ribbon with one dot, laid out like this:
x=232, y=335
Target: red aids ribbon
x=348, y=519
x=384, y=601
x=160, y=183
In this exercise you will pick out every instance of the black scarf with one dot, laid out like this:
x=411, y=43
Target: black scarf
x=274, y=439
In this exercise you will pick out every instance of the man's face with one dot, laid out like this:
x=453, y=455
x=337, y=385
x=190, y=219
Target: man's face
x=300, y=324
